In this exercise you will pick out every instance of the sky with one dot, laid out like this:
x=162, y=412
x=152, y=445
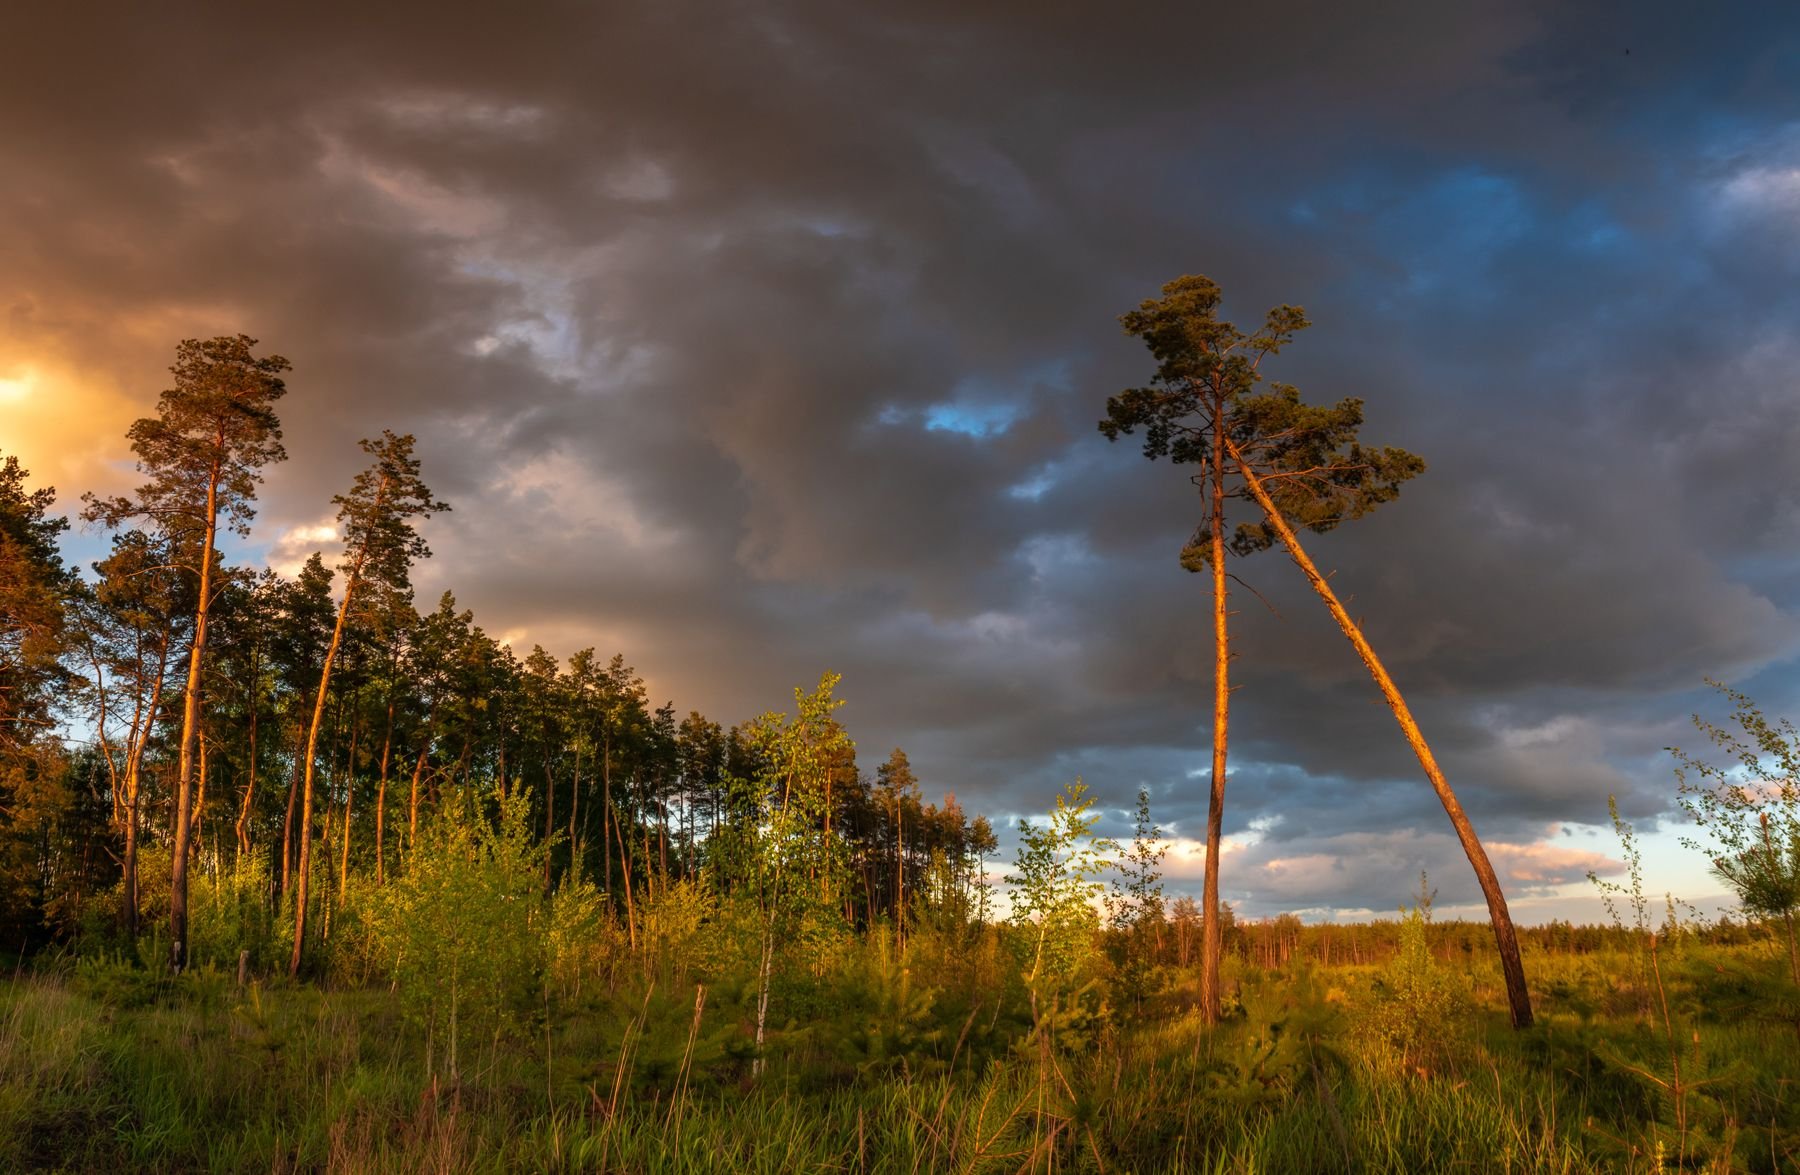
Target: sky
x=757, y=340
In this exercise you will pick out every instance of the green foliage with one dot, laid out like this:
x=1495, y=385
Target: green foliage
x=1134, y=906
x=1632, y=892
x=1056, y=892
x=1207, y=379
x=1420, y=1007
x=1749, y=811
x=231, y=912
x=462, y=930
x=582, y=937
x=890, y=1069
x=676, y=925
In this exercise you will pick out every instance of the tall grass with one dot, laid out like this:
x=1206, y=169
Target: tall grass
x=104, y=1066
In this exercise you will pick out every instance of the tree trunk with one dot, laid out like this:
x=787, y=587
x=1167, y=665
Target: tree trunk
x=306, y=791
x=134, y=787
x=606, y=810
x=764, y=970
x=199, y=813
x=129, y=915
x=387, y=746
x=287, y=826
x=349, y=806
x=1212, y=937
x=243, y=821
x=575, y=862
x=899, y=878
x=349, y=794
x=625, y=863
x=1505, y=937
x=190, y=733
x=412, y=816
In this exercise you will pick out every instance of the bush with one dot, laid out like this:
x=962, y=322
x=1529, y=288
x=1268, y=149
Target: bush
x=1418, y=1004
x=464, y=927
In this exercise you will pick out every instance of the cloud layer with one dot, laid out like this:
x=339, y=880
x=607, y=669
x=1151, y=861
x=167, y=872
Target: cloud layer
x=756, y=340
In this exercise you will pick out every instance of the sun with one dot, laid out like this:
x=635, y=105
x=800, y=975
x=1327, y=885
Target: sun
x=17, y=389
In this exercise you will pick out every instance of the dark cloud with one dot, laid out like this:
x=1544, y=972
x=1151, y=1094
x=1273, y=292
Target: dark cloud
x=754, y=341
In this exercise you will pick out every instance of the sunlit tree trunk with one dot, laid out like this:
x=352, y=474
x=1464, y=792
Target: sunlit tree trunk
x=1505, y=938
x=1212, y=937
x=190, y=734
x=306, y=788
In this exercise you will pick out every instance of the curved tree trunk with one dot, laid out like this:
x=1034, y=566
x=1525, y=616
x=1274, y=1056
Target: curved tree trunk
x=1505, y=938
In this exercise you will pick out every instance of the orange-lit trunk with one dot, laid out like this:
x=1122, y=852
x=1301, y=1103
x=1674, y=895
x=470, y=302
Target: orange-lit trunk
x=190, y=733
x=1212, y=937
x=1505, y=937
x=312, y=744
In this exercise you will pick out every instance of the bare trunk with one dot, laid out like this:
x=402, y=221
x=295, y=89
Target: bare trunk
x=606, y=809
x=574, y=808
x=190, y=733
x=1505, y=937
x=763, y=972
x=412, y=816
x=243, y=821
x=649, y=861
x=387, y=746
x=199, y=816
x=129, y=915
x=899, y=878
x=625, y=863
x=287, y=825
x=349, y=805
x=134, y=786
x=1212, y=936
x=349, y=795
x=306, y=790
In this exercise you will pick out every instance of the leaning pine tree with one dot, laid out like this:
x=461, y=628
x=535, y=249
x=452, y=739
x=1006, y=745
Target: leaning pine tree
x=380, y=544
x=1302, y=466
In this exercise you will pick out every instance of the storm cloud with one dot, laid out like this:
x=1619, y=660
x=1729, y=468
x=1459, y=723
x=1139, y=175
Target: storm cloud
x=755, y=340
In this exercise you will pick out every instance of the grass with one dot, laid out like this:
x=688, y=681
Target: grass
x=104, y=1066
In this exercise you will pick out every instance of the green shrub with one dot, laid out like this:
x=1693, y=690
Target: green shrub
x=1418, y=1007
x=463, y=928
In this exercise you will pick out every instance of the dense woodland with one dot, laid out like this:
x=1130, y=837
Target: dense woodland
x=303, y=874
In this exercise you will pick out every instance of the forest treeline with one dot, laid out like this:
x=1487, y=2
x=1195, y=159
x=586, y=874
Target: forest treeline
x=421, y=709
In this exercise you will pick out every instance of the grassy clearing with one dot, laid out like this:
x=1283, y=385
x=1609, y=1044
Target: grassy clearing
x=105, y=1066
